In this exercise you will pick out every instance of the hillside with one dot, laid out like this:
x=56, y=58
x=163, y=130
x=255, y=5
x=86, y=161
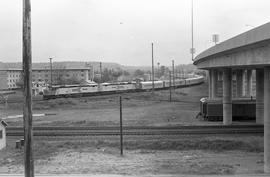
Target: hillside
x=64, y=64
x=95, y=64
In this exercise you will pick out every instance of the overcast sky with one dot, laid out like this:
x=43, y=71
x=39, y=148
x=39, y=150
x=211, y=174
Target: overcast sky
x=122, y=30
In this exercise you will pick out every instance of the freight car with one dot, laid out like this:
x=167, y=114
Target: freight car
x=242, y=109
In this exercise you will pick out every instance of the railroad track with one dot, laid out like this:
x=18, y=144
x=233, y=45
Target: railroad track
x=138, y=130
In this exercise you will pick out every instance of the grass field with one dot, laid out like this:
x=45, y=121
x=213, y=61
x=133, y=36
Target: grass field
x=138, y=109
x=222, y=154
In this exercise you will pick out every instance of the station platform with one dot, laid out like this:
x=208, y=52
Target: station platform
x=110, y=175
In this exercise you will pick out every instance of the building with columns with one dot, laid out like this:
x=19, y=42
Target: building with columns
x=240, y=67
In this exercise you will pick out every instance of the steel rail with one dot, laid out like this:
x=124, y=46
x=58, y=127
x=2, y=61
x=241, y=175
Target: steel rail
x=111, y=131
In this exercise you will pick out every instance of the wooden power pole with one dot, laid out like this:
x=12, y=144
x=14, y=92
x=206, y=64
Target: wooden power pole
x=173, y=73
x=153, y=74
x=121, y=126
x=170, y=76
x=27, y=90
x=100, y=68
x=51, y=72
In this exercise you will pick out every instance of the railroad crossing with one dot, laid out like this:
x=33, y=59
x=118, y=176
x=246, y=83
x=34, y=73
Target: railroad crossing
x=238, y=58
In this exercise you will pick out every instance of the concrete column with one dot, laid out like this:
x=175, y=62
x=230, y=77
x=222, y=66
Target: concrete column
x=249, y=82
x=234, y=85
x=239, y=83
x=227, y=96
x=259, y=95
x=214, y=83
x=267, y=119
x=209, y=84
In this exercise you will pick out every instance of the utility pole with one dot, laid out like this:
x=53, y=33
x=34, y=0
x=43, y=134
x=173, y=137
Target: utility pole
x=51, y=72
x=121, y=127
x=192, y=50
x=27, y=91
x=170, y=85
x=93, y=72
x=173, y=73
x=158, y=75
x=153, y=74
x=100, y=68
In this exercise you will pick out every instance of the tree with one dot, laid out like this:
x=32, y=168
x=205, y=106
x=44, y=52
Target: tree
x=117, y=74
x=126, y=73
x=138, y=73
x=162, y=71
x=200, y=72
x=106, y=75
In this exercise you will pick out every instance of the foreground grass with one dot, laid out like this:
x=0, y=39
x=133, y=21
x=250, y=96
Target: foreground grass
x=44, y=147
x=175, y=155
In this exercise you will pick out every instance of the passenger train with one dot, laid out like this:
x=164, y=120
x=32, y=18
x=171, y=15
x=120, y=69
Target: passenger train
x=121, y=87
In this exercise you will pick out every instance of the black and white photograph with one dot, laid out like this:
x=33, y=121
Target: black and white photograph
x=134, y=88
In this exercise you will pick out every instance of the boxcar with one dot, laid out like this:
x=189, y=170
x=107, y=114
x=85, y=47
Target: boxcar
x=242, y=109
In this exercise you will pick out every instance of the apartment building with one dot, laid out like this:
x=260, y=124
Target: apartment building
x=10, y=77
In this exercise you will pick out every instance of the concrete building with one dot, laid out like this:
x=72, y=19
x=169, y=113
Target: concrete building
x=238, y=58
x=2, y=134
x=10, y=77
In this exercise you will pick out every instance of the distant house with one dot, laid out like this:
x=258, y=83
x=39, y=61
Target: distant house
x=3, y=142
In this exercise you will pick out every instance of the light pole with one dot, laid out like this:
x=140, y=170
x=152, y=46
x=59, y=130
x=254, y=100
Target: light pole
x=100, y=68
x=173, y=73
x=158, y=70
x=153, y=74
x=51, y=71
x=215, y=38
x=192, y=50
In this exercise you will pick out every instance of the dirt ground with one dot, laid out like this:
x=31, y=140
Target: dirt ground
x=105, y=161
x=142, y=155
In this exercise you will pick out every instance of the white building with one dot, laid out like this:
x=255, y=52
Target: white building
x=10, y=77
x=3, y=134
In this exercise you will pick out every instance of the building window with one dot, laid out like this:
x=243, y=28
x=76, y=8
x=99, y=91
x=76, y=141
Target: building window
x=1, y=134
x=82, y=75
